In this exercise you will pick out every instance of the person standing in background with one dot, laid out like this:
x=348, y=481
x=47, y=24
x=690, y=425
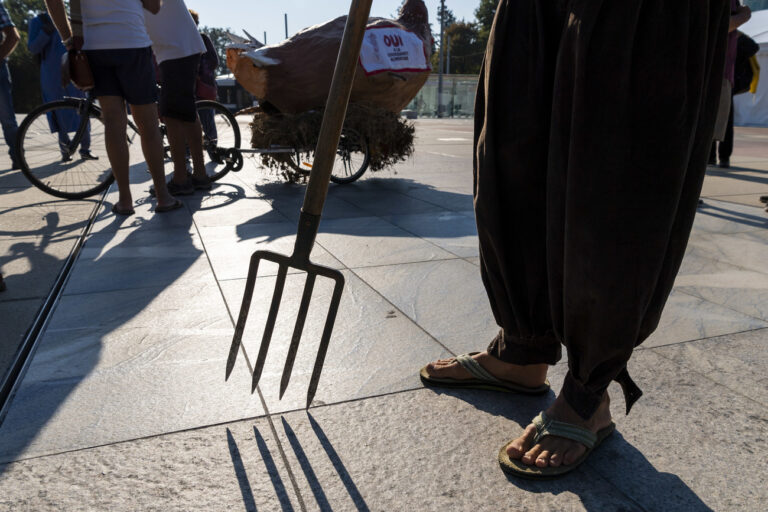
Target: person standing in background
x=45, y=43
x=740, y=14
x=206, y=89
x=7, y=113
x=178, y=46
x=120, y=56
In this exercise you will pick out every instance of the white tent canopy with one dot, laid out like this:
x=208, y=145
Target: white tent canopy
x=752, y=109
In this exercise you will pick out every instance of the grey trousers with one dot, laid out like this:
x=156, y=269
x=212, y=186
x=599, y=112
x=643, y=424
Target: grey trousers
x=582, y=229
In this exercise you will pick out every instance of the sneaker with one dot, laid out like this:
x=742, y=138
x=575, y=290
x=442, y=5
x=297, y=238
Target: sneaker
x=725, y=164
x=187, y=189
x=201, y=184
x=764, y=199
x=66, y=157
x=87, y=155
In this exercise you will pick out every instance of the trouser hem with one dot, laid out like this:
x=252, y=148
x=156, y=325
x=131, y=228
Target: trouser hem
x=541, y=349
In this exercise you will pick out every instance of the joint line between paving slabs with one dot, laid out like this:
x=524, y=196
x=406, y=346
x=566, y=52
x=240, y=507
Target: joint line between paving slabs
x=258, y=390
x=704, y=375
x=724, y=306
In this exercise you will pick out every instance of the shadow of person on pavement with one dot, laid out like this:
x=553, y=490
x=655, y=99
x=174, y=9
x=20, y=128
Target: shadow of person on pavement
x=96, y=351
x=720, y=211
x=616, y=461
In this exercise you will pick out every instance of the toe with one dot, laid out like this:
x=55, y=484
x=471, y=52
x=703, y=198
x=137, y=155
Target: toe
x=532, y=454
x=542, y=460
x=517, y=448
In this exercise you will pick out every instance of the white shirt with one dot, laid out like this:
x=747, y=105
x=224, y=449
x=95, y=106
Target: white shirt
x=173, y=32
x=113, y=24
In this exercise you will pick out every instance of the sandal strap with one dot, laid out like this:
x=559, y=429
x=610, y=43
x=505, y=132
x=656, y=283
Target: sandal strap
x=546, y=426
x=473, y=367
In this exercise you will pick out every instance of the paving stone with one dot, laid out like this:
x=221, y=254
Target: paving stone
x=229, y=248
x=734, y=287
x=737, y=361
x=727, y=217
x=144, y=218
x=427, y=451
x=446, y=298
x=374, y=349
x=178, y=306
x=56, y=218
x=382, y=202
x=370, y=241
x=22, y=313
x=687, y=318
x=30, y=265
x=115, y=272
x=678, y=448
x=454, y=232
x=227, y=467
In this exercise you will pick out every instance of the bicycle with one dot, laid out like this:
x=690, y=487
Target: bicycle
x=55, y=169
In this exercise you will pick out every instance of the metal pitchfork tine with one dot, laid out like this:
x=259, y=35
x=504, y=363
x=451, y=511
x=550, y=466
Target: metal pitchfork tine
x=309, y=221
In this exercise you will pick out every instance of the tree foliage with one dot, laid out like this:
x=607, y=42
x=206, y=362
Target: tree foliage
x=484, y=15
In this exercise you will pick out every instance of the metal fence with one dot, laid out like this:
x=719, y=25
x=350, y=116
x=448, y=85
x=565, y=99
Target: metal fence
x=458, y=96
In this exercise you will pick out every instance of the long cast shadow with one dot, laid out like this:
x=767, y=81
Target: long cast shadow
x=70, y=353
x=710, y=210
x=306, y=467
x=615, y=458
x=338, y=465
x=274, y=475
x=240, y=473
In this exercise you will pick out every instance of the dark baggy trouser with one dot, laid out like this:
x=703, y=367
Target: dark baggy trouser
x=582, y=228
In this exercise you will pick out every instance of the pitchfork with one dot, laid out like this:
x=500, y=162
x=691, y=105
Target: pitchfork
x=309, y=221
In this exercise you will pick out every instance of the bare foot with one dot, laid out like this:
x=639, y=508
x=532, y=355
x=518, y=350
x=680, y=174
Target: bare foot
x=553, y=450
x=532, y=375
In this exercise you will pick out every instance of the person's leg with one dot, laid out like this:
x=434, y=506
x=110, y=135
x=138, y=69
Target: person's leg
x=726, y=147
x=115, y=122
x=612, y=263
x=147, y=121
x=512, y=126
x=7, y=114
x=177, y=107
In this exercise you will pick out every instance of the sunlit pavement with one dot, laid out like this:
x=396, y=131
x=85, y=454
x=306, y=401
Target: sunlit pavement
x=125, y=406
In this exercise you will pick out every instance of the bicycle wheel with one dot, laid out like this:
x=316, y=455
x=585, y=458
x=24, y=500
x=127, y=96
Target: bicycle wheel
x=221, y=135
x=53, y=160
x=351, y=158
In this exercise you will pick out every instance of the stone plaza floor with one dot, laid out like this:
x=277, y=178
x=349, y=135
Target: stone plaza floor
x=124, y=405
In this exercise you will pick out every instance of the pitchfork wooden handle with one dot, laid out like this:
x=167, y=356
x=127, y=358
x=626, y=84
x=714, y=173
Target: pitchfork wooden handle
x=336, y=107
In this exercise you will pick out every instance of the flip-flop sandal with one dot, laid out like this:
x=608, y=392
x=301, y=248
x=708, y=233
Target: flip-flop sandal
x=119, y=211
x=482, y=379
x=168, y=208
x=546, y=426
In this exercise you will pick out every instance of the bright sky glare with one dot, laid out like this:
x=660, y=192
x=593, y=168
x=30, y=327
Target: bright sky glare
x=258, y=16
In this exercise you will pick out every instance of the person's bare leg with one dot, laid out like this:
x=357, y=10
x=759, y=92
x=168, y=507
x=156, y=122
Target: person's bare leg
x=115, y=122
x=532, y=375
x=553, y=450
x=180, y=135
x=147, y=122
x=177, y=140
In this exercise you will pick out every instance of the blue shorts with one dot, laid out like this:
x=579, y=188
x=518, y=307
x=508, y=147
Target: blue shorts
x=128, y=73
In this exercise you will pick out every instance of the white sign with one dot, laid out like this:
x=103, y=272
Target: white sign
x=390, y=48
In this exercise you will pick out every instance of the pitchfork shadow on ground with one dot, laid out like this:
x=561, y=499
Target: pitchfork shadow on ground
x=616, y=462
x=306, y=467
